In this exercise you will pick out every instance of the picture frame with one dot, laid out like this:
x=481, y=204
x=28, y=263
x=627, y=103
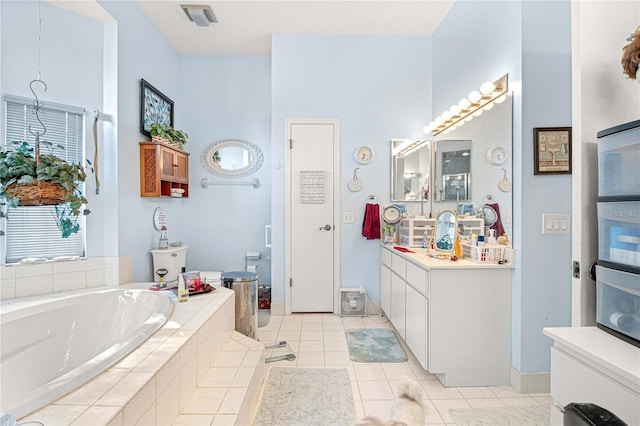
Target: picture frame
x=551, y=150
x=155, y=107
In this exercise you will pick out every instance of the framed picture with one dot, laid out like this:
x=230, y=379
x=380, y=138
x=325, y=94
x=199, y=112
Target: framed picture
x=551, y=150
x=154, y=107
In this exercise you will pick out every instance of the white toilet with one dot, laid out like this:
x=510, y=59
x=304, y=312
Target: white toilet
x=173, y=259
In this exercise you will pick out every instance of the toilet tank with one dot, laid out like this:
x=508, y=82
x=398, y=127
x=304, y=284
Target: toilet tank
x=173, y=259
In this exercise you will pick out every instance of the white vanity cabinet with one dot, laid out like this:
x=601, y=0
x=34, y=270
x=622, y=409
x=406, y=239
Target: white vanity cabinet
x=454, y=316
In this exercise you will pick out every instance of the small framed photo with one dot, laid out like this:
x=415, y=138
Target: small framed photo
x=154, y=108
x=551, y=150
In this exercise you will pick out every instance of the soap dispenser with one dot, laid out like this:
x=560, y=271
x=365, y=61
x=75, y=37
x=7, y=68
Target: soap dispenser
x=183, y=291
x=164, y=241
x=492, y=237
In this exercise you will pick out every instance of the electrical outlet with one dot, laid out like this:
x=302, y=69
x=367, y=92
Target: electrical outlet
x=347, y=217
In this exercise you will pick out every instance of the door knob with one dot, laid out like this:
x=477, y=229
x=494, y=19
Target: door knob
x=327, y=227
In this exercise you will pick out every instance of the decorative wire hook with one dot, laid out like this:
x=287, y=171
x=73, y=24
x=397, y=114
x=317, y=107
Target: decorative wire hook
x=37, y=105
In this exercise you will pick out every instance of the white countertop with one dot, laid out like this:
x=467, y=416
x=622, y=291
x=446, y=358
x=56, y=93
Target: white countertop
x=600, y=347
x=421, y=258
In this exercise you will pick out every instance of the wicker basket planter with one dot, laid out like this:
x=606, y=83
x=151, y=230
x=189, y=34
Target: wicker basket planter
x=38, y=193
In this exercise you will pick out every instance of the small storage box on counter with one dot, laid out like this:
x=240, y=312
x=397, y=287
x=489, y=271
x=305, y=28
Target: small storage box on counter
x=483, y=254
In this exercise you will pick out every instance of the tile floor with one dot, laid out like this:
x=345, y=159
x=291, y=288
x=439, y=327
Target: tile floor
x=319, y=341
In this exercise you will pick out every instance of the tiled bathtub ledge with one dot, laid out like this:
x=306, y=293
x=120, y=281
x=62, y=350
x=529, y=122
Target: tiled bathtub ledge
x=195, y=370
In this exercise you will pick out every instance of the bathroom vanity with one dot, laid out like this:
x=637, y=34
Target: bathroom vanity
x=454, y=316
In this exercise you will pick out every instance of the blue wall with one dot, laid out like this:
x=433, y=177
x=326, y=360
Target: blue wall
x=71, y=64
x=229, y=97
x=531, y=42
x=380, y=88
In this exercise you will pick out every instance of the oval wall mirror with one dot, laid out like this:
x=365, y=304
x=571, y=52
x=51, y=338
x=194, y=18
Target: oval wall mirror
x=232, y=158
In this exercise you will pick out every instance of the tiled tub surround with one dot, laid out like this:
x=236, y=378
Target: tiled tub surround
x=24, y=280
x=195, y=370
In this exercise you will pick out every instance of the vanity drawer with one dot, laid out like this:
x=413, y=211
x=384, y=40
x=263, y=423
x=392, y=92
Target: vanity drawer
x=385, y=257
x=418, y=278
x=399, y=266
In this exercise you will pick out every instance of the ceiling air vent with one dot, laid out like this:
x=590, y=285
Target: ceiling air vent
x=201, y=15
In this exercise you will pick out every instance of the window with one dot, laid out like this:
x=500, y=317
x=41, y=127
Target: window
x=32, y=231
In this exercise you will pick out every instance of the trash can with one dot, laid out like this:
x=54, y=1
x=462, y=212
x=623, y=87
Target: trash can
x=245, y=285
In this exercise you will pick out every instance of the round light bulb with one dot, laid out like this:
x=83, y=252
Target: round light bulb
x=446, y=115
x=468, y=117
x=478, y=113
x=486, y=87
x=439, y=120
x=488, y=106
x=455, y=110
x=474, y=96
x=464, y=103
x=446, y=131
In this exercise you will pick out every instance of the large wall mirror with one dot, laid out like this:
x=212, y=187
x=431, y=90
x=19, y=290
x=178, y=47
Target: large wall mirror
x=232, y=158
x=461, y=170
x=410, y=170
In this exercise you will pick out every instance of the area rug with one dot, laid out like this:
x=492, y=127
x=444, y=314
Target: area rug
x=306, y=396
x=374, y=345
x=525, y=415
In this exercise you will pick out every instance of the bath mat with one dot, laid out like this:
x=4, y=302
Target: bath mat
x=374, y=345
x=306, y=396
x=525, y=415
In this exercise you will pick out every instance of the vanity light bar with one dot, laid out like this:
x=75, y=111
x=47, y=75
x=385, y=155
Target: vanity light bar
x=470, y=107
x=408, y=149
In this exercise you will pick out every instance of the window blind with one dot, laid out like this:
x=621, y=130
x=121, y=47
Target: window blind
x=32, y=231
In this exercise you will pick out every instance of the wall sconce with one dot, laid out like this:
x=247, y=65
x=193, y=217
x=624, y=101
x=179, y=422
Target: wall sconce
x=470, y=107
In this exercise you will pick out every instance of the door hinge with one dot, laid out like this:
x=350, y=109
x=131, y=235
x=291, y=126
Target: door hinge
x=290, y=143
x=290, y=282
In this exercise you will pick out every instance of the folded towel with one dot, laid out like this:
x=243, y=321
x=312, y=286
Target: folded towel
x=403, y=249
x=371, y=223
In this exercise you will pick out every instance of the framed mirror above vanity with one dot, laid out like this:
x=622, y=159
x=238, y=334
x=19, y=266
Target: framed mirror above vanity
x=410, y=169
x=461, y=170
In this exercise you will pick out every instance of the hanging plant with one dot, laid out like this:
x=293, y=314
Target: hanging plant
x=30, y=180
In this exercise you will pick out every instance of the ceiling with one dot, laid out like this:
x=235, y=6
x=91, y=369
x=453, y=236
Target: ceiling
x=245, y=27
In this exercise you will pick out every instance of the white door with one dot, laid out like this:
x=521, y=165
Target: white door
x=313, y=249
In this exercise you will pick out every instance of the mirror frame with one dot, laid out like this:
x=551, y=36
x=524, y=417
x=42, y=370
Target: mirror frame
x=256, y=158
x=436, y=249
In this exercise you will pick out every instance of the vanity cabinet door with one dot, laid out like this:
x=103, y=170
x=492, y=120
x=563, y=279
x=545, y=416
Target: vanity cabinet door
x=416, y=322
x=385, y=290
x=398, y=304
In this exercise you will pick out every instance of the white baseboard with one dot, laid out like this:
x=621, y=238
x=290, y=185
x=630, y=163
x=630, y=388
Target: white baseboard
x=530, y=382
x=277, y=308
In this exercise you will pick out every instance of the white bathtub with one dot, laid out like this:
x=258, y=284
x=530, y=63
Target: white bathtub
x=49, y=347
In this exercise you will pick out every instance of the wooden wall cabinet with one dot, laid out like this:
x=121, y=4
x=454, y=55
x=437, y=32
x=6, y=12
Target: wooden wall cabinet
x=162, y=168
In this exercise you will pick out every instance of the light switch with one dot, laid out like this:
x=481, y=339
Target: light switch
x=347, y=217
x=558, y=224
